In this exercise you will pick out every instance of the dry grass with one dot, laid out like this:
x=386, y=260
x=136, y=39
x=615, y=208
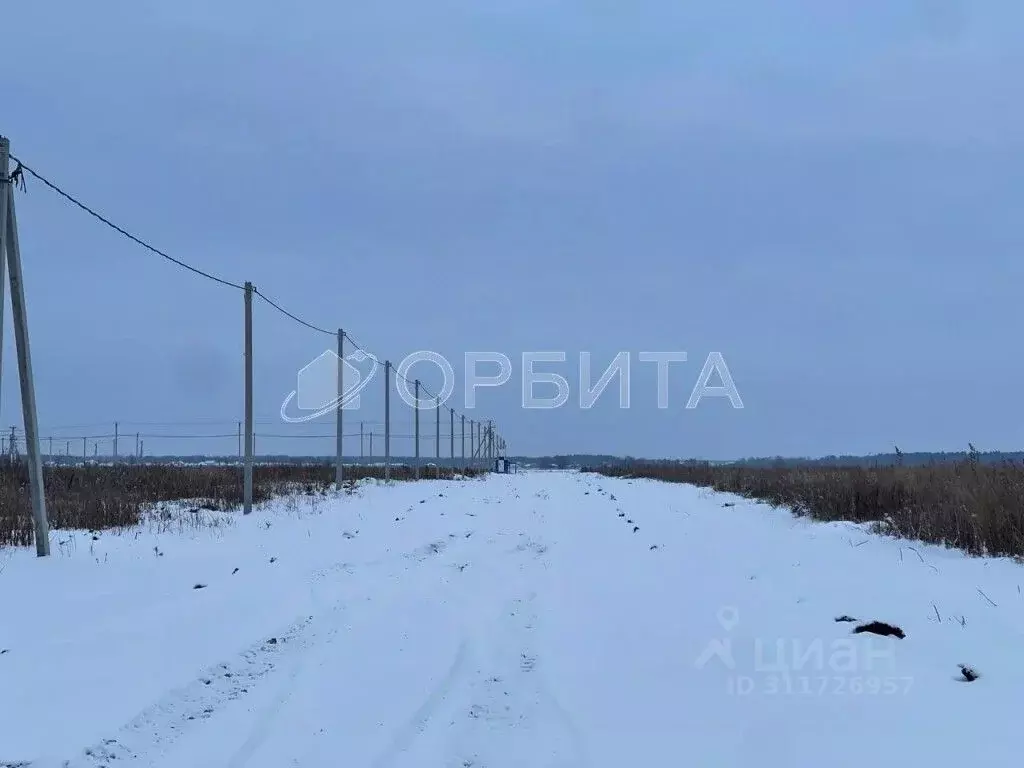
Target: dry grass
x=975, y=507
x=103, y=497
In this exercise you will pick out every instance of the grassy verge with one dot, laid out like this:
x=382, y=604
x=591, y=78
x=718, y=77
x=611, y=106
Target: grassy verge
x=102, y=497
x=975, y=507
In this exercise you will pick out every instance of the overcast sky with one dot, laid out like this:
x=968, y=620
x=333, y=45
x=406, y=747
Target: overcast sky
x=829, y=194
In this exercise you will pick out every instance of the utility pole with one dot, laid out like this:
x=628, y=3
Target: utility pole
x=463, y=441
x=451, y=419
x=387, y=420
x=339, y=472
x=115, y=442
x=361, y=453
x=249, y=446
x=6, y=189
x=416, y=418
x=10, y=262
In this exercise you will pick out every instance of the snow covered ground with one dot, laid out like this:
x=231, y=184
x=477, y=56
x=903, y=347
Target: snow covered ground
x=538, y=620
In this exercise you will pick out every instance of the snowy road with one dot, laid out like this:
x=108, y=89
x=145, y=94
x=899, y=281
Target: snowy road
x=542, y=619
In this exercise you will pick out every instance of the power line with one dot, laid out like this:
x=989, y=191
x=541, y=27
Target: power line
x=398, y=375
x=135, y=239
x=264, y=420
x=70, y=198
x=286, y=313
x=229, y=436
x=22, y=167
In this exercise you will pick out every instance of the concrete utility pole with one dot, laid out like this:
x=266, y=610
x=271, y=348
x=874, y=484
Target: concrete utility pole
x=249, y=443
x=416, y=429
x=387, y=420
x=437, y=437
x=339, y=472
x=6, y=188
x=10, y=262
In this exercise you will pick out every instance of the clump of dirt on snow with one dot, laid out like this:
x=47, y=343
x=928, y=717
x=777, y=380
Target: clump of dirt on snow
x=969, y=673
x=881, y=628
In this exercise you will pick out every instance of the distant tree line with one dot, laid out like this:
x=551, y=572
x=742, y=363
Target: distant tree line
x=590, y=460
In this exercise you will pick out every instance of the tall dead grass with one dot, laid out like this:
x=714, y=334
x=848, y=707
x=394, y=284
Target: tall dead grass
x=97, y=497
x=976, y=507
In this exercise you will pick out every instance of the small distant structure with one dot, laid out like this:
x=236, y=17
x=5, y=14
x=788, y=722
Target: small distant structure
x=503, y=466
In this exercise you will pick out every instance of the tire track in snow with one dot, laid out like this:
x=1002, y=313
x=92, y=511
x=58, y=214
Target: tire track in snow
x=169, y=719
x=422, y=718
x=159, y=726
x=261, y=729
x=453, y=683
x=454, y=724
x=512, y=717
x=150, y=734
x=319, y=643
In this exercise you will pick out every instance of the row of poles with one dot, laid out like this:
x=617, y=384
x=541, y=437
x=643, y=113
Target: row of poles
x=485, y=443
x=10, y=443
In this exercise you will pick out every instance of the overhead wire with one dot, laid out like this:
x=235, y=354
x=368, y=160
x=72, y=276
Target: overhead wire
x=24, y=168
x=139, y=241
